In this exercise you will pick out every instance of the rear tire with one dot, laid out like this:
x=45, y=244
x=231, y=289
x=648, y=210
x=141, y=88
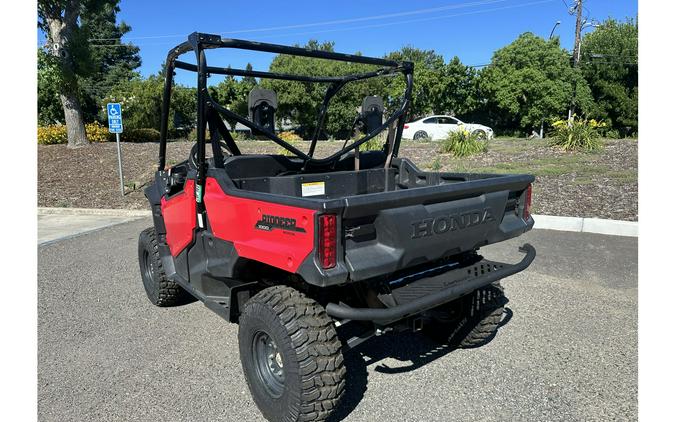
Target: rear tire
x=420, y=134
x=160, y=290
x=291, y=356
x=477, y=318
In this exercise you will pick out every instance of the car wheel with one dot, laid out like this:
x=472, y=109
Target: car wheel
x=480, y=134
x=420, y=134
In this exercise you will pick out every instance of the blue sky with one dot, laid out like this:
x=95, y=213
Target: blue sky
x=469, y=29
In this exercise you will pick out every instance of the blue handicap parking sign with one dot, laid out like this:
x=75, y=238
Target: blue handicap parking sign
x=115, y=118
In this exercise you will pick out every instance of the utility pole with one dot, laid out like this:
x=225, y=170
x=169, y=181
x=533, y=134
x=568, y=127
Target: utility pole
x=576, y=54
x=577, y=32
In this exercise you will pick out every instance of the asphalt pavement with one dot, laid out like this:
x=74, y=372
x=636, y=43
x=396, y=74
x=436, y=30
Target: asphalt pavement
x=566, y=351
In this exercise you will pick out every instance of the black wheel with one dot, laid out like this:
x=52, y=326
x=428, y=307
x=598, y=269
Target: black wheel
x=160, y=290
x=291, y=356
x=420, y=134
x=480, y=134
x=471, y=321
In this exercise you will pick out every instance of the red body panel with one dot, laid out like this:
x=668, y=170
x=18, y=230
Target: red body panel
x=180, y=213
x=235, y=219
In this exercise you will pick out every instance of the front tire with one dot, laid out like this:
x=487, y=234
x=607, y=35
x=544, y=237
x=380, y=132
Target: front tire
x=480, y=135
x=160, y=290
x=291, y=356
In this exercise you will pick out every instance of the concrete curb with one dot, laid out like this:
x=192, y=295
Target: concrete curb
x=545, y=222
x=586, y=225
x=94, y=211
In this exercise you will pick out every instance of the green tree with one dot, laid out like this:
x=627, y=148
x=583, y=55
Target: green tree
x=141, y=101
x=529, y=81
x=112, y=61
x=609, y=64
x=72, y=67
x=455, y=92
x=50, y=110
x=299, y=101
x=232, y=93
x=67, y=45
x=427, y=81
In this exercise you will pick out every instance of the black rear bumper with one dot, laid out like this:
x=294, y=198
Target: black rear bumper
x=462, y=286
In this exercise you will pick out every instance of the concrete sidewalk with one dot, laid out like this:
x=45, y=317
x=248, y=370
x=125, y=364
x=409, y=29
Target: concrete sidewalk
x=55, y=224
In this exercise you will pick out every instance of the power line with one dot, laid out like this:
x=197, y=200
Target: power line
x=495, y=9
x=332, y=22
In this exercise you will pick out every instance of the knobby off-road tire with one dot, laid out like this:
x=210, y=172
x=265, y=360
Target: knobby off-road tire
x=478, y=321
x=291, y=356
x=161, y=291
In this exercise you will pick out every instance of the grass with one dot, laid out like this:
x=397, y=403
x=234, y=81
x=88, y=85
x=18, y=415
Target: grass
x=529, y=156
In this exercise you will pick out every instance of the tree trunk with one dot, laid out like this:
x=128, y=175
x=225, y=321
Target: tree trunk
x=59, y=30
x=77, y=137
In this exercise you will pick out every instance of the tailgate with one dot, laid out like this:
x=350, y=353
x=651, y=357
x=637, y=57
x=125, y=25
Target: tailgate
x=390, y=231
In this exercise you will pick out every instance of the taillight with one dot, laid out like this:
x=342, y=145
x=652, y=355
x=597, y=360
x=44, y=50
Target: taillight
x=528, y=203
x=327, y=240
x=406, y=127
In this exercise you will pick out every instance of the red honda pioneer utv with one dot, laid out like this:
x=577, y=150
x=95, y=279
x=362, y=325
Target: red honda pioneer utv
x=295, y=248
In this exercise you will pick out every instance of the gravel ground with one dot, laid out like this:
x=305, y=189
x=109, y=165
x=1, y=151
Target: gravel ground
x=567, y=350
x=602, y=184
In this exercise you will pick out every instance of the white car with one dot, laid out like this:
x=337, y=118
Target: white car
x=438, y=127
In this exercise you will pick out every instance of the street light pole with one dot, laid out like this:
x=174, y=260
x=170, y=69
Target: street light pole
x=553, y=30
x=541, y=127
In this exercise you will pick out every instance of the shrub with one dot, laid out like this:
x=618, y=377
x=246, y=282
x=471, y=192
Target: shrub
x=96, y=132
x=289, y=137
x=237, y=136
x=283, y=151
x=462, y=143
x=373, y=144
x=577, y=134
x=612, y=134
x=58, y=134
x=52, y=134
x=140, y=135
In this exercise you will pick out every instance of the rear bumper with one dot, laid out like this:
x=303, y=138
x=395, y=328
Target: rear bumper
x=459, y=288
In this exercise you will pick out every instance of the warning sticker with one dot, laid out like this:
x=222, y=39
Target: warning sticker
x=313, y=188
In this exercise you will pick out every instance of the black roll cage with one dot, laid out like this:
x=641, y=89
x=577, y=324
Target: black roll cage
x=208, y=110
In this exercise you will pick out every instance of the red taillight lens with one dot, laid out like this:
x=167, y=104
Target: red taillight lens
x=406, y=127
x=528, y=203
x=327, y=240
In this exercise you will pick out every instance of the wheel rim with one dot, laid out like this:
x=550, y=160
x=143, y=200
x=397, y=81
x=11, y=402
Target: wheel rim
x=147, y=266
x=269, y=364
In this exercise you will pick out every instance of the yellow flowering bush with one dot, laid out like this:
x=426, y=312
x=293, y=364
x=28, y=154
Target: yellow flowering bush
x=96, y=132
x=289, y=137
x=462, y=143
x=57, y=134
x=577, y=134
x=52, y=134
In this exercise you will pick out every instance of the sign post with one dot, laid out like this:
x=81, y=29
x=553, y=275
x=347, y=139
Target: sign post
x=115, y=126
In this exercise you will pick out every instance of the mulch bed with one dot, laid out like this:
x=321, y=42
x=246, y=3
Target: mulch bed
x=87, y=177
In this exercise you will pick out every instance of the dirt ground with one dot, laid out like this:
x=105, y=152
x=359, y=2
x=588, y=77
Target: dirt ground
x=601, y=184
